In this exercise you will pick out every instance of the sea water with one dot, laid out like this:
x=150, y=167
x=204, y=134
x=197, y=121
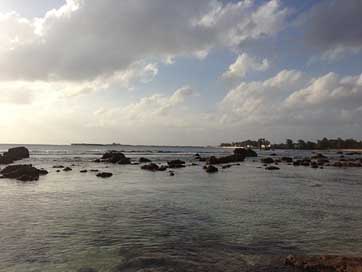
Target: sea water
x=235, y=220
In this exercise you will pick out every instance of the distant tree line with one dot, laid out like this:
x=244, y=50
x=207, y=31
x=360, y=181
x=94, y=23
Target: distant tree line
x=300, y=144
x=320, y=144
x=260, y=143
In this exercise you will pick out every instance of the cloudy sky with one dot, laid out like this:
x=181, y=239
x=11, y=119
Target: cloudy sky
x=179, y=72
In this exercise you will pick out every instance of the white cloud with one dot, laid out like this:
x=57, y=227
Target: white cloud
x=330, y=90
x=84, y=39
x=292, y=98
x=259, y=101
x=155, y=109
x=245, y=64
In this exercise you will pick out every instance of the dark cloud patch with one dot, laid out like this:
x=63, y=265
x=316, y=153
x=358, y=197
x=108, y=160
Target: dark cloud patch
x=333, y=24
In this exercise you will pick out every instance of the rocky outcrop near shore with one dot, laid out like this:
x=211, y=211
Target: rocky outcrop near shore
x=325, y=263
x=176, y=164
x=239, y=156
x=14, y=154
x=115, y=157
x=22, y=172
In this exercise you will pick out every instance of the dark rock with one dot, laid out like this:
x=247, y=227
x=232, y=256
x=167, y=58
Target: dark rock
x=14, y=154
x=297, y=163
x=338, y=164
x=43, y=172
x=150, y=167
x=271, y=168
x=172, y=173
x=226, y=166
x=287, y=159
x=319, y=156
x=58, y=171
x=328, y=263
x=58, y=166
x=267, y=160
x=162, y=168
x=322, y=161
x=306, y=162
x=226, y=159
x=176, y=164
x=273, y=154
x=22, y=172
x=67, y=169
x=104, y=175
x=94, y=170
x=83, y=171
x=314, y=165
x=246, y=152
x=144, y=160
x=211, y=169
x=115, y=157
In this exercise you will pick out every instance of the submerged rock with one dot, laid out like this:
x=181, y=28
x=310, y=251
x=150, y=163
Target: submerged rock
x=154, y=167
x=176, y=164
x=272, y=168
x=144, y=160
x=211, y=169
x=319, y=156
x=104, y=175
x=267, y=160
x=287, y=159
x=325, y=263
x=22, y=172
x=14, y=154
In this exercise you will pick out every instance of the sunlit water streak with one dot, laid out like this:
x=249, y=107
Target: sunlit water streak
x=194, y=221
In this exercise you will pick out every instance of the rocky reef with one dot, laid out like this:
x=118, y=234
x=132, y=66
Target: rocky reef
x=115, y=157
x=14, y=154
x=22, y=172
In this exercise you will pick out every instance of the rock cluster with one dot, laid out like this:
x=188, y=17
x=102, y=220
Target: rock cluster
x=104, y=175
x=211, y=169
x=176, y=164
x=239, y=155
x=144, y=160
x=115, y=157
x=14, y=154
x=22, y=172
x=153, y=167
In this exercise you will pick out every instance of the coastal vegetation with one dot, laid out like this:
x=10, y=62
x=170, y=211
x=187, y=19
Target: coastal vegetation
x=322, y=144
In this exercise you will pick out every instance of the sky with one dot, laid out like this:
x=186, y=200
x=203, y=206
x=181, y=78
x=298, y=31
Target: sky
x=170, y=72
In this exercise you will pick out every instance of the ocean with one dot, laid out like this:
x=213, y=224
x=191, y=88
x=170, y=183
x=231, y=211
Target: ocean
x=243, y=218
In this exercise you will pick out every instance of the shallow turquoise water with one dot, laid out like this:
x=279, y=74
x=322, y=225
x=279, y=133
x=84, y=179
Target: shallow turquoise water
x=66, y=221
